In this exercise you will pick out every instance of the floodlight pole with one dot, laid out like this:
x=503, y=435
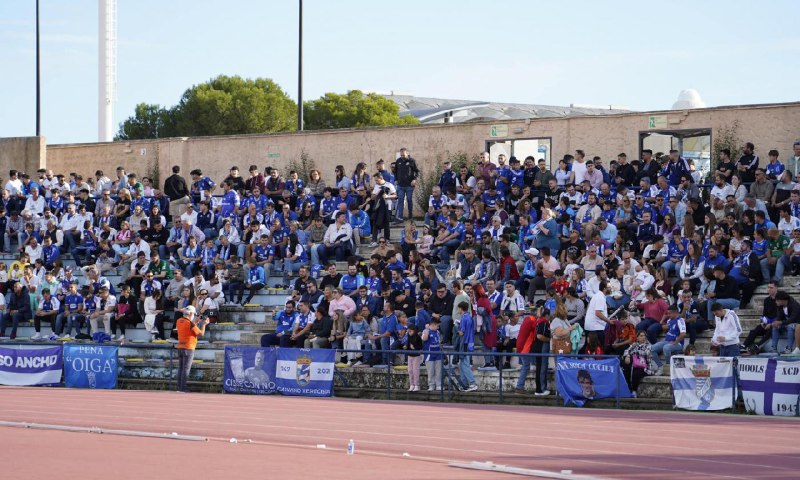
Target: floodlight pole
x=38, y=82
x=300, y=71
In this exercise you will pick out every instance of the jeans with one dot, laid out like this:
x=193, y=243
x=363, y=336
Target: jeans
x=667, y=348
x=525, y=367
x=765, y=269
x=446, y=327
x=386, y=344
x=185, y=357
x=652, y=327
x=729, y=350
x=444, y=250
x=465, y=368
x=342, y=250
x=670, y=267
x=614, y=304
x=729, y=303
x=75, y=320
x=776, y=336
x=541, y=368
x=406, y=193
x=315, y=253
x=783, y=263
x=15, y=319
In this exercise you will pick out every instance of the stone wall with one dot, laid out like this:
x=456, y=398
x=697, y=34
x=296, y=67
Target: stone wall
x=21, y=153
x=768, y=126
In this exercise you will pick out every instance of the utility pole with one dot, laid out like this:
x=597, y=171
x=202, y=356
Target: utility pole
x=300, y=72
x=38, y=80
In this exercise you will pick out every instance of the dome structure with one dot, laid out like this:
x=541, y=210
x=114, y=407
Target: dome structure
x=689, y=98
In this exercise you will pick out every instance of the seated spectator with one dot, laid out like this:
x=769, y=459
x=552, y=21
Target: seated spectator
x=672, y=344
x=337, y=241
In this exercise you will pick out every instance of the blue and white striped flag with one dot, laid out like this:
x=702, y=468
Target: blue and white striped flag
x=702, y=383
x=770, y=386
x=305, y=371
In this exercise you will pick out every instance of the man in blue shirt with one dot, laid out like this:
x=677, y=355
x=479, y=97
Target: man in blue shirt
x=466, y=343
x=284, y=320
x=673, y=340
x=454, y=238
x=387, y=326
x=448, y=179
x=351, y=281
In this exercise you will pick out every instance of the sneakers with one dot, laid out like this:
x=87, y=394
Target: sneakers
x=471, y=388
x=65, y=338
x=36, y=336
x=796, y=351
x=659, y=371
x=416, y=388
x=121, y=338
x=53, y=337
x=519, y=390
x=373, y=244
x=542, y=393
x=172, y=340
x=411, y=388
x=431, y=388
x=358, y=363
x=634, y=394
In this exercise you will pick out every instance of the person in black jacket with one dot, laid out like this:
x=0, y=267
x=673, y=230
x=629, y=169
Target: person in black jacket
x=441, y=308
x=405, y=175
x=175, y=188
x=19, y=309
x=769, y=315
x=726, y=292
x=625, y=171
x=786, y=322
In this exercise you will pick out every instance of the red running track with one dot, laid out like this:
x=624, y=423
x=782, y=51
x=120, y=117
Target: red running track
x=285, y=431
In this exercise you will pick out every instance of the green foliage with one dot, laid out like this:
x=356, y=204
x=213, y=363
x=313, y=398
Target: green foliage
x=302, y=166
x=222, y=106
x=353, y=110
x=148, y=121
x=726, y=137
x=233, y=105
x=430, y=175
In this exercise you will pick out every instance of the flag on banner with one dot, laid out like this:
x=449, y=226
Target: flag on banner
x=578, y=380
x=90, y=366
x=28, y=366
x=770, y=386
x=702, y=383
x=250, y=370
x=307, y=372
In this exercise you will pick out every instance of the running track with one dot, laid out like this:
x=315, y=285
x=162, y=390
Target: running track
x=286, y=430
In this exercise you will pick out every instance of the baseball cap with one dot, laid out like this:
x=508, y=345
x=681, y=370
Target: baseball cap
x=189, y=310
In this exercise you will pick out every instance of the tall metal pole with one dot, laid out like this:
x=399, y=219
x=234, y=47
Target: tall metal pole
x=300, y=71
x=38, y=81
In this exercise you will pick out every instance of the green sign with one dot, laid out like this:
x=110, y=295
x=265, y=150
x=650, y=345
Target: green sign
x=657, y=121
x=498, y=131
x=273, y=155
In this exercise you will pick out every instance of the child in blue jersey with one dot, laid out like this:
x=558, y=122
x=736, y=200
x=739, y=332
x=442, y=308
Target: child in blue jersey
x=433, y=361
x=466, y=343
x=73, y=310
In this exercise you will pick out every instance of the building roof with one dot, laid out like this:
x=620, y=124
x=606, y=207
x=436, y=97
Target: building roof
x=437, y=110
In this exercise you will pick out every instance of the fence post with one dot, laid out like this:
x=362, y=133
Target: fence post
x=500, y=374
x=619, y=368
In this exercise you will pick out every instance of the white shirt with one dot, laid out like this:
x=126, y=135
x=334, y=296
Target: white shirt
x=579, y=169
x=729, y=327
x=35, y=206
x=513, y=304
x=111, y=301
x=722, y=192
x=593, y=322
x=142, y=246
x=192, y=218
x=34, y=253
x=377, y=188
x=787, y=227
x=14, y=187
x=512, y=331
x=334, y=231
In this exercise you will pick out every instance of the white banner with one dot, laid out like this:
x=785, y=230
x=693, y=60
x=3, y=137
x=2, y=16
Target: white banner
x=770, y=386
x=702, y=383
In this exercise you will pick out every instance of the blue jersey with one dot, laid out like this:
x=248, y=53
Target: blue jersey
x=264, y=253
x=387, y=324
x=285, y=321
x=459, y=228
x=646, y=232
x=674, y=329
x=516, y=177
x=775, y=169
x=760, y=247
x=350, y=283
x=72, y=302
x=374, y=285
x=466, y=326
x=433, y=344
x=230, y=201
x=56, y=205
x=328, y=206
x=491, y=200
x=502, y=185
x=294, y=186
x=89, y=304
x=203, y=184
x=302, y=320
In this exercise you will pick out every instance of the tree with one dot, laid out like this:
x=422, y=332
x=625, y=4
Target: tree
x=233, y=105
x=222, y=106
x=353, y=110
x=148, y=121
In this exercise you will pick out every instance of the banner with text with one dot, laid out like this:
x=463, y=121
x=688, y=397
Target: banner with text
x=702, y=383
x=28, y=366
x=250, y=370
x=307, y=372
x=90, y=366
x=770, y=386
x=580, y=380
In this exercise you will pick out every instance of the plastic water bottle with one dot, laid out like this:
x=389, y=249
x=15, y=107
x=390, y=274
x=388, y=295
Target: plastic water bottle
x=351, y=447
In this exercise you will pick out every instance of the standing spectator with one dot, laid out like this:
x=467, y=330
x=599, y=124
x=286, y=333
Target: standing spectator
x=383, y=196
x=597, y=313
x=727, y=331
x=433, y=361
x=466, y=343
x=188, y=331
x=414, y=346
x=747, y=163
x=406, y=173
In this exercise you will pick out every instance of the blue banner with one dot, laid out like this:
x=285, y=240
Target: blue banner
x=307, y=372
x=28, y=366
x=250, y=370
x=579, y=380
x=770, y=386
x=90, y=366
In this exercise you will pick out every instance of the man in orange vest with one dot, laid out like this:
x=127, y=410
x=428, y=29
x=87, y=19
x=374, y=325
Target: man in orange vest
x=188, y=331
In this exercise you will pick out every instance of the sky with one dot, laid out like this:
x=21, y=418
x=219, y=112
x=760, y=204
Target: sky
x=634, y=54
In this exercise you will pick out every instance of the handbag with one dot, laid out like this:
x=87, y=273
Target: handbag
x=639, y=362
x=561, y=346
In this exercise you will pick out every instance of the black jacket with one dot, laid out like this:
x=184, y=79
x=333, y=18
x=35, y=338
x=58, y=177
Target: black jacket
x=175, y=187
x=792, y=315
x=405, y=171
x=728, y=288
x=442, y=306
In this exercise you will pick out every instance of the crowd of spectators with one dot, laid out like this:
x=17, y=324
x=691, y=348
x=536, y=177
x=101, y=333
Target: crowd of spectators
x=635, y=259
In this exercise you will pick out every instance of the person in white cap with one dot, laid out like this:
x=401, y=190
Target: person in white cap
x=188, y=331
